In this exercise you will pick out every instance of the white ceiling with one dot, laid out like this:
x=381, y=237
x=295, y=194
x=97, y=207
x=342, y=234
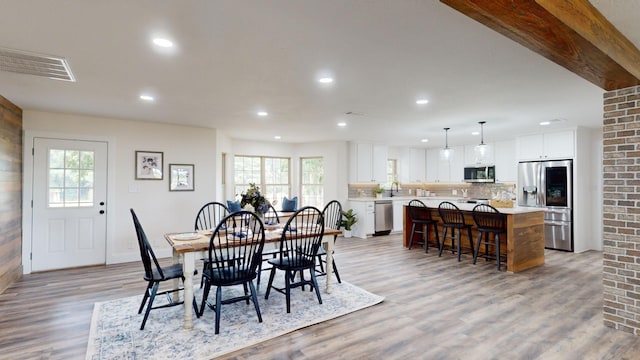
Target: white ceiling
x=235, y=57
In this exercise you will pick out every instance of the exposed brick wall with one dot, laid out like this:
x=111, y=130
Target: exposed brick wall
x=621, y=197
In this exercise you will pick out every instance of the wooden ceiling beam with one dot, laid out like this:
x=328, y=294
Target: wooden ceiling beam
x=571, y=33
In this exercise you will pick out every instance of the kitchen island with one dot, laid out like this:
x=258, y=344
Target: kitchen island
x=525, y=233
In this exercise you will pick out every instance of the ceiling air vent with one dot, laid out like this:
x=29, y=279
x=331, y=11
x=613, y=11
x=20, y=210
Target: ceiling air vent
x=35, y=64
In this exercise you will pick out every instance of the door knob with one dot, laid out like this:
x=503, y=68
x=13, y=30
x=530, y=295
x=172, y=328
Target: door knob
x=101, y=211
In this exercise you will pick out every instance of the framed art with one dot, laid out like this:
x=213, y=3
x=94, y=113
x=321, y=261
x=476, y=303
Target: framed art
x=181, y=177
x=149, y=165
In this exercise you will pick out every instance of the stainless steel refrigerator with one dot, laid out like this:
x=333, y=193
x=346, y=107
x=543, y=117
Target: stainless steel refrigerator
x=548, y=185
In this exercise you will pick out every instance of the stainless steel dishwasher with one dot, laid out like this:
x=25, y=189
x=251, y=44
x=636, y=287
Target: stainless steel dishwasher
x=383, y=217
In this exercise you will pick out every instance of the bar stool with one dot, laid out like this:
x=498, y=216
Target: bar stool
x=490, y=221
x=453, y=218
x=421, y=215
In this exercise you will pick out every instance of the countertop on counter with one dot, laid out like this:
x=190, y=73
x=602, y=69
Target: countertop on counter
x=434, y=201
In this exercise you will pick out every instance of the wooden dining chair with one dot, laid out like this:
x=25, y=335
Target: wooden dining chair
x=154, y=274
x=207, y=218
x=235, y=250
x=332, y=214
x=299, y=244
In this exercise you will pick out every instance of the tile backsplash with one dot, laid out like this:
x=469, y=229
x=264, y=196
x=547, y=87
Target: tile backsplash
x=455, y=190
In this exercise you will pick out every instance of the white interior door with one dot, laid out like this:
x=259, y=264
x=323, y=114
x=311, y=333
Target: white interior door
x=69, y=203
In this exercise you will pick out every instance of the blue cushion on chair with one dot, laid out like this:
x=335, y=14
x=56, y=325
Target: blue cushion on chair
x=290, y=205
x=233, y=206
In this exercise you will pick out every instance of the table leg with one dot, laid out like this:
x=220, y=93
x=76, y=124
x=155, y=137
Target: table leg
x=328, y=245
x=188, y=268
x=176, y=282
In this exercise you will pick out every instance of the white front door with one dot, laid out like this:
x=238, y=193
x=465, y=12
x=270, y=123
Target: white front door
x=69, y=203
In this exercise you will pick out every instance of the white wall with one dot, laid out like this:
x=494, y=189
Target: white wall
x=160, y=211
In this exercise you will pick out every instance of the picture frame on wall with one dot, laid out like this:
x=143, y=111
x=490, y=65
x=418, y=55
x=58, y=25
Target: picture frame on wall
x=181, y=177
x=149, y=165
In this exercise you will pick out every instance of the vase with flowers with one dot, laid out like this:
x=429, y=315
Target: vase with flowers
x=253, y=200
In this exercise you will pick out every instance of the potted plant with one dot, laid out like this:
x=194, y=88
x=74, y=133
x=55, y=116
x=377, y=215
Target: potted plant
x=348, y=220
x=378, y=191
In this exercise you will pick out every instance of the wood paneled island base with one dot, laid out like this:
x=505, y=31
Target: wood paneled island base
x=525, y=234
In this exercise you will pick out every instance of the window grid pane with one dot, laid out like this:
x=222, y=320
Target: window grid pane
x=71, y=178
x=311, y=181
x=271, y=174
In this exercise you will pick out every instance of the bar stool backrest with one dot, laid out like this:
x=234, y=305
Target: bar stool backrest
x=489, y=218
x=450, y=213
x=416, y=210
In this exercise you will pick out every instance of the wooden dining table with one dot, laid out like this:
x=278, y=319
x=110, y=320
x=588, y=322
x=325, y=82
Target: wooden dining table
x=184, y=252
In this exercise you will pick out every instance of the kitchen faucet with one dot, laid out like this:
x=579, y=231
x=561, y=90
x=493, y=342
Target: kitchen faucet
x=391, y=189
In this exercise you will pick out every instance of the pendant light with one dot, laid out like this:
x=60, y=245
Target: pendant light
x=446, y=153
x=482, y=150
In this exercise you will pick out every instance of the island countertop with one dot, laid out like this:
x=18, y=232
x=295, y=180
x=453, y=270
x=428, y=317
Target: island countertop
x=461, y=203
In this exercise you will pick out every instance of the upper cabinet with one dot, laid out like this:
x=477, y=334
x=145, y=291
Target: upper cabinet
x=417, y=165
x=441, y=170
x=548, y=146
x=472, y=159
x=505, y=161
x=368, y=162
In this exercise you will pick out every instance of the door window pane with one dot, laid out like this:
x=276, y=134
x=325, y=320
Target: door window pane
x=71, y=178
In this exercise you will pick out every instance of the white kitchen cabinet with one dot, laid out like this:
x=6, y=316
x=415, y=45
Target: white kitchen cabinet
x=547, y=146
x=379, y=163
x=439, y=170
x=368, y=162
x=456, y=165
x=417, y=165
x=505, y=161
x=365, y=213
x=470, y=158
x=398, y=214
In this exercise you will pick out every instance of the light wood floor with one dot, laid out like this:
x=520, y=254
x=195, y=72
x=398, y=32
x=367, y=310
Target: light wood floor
x=434, y=308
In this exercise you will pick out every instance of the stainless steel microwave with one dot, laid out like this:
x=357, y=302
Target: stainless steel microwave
x=486, y=174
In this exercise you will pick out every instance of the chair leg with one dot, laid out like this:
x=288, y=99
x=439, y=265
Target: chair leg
x=435, y=229
x=470, y=240
x=475, y=255
x=254, y=298
x=486, y=246
x=287, y=285
x=271, y=276
x=413, y=230
x=315, y=285
x=205, y=295
x=218, y=307
x=458, y=240
x=145, y=297
x=444, y=238
x=152, y=296
x=246, y=291
x=335, y=270
x=320, y=263
x=498, y=250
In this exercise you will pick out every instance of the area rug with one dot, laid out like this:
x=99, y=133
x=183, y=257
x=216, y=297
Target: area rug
x=115, y=325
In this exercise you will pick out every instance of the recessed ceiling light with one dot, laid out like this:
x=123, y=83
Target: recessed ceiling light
x=422, y=101
x=475, y=133
x=277, y=137
x=146, y=97
x=166, y=43
x=545, y=123
x=342, y=124
x=424, y=140
x=262, y=113
x=325, y=80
